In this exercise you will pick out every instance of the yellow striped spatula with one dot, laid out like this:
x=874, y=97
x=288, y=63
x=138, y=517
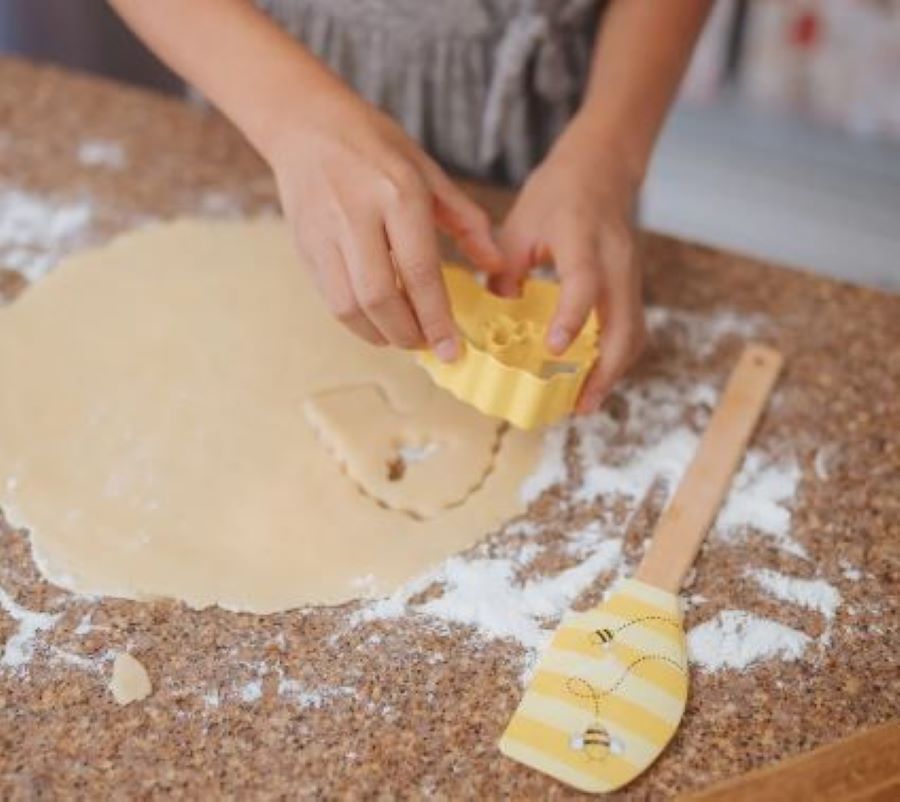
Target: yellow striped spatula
x=610, y=690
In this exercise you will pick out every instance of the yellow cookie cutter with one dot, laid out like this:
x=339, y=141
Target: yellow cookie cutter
x=506, y=370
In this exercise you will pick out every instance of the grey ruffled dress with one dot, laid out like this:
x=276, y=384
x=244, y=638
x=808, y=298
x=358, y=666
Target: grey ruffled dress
x=484, y=85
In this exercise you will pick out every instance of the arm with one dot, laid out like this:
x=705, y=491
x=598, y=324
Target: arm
x=362, y=198
x=577, y=207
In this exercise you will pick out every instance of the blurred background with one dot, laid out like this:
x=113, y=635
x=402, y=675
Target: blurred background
x=785, y=142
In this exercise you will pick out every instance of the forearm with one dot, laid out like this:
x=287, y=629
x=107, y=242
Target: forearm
x=241, y=60
x=643, y=48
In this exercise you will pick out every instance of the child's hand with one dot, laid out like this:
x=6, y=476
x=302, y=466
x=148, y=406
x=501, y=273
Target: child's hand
x=576, y=211
x=363, y=200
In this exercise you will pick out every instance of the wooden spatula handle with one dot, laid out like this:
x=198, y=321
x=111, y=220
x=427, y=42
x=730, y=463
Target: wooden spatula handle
x=685, y=521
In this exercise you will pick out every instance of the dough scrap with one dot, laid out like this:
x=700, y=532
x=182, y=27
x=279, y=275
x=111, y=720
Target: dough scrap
x=130, y=681
x=153, y=437
x=421, y=464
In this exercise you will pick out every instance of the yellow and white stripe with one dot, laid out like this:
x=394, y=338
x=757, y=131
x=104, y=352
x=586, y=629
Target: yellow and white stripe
x=633, y=689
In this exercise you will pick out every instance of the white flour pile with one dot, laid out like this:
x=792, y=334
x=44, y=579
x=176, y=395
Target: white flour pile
x=737, y=639
x=814, y=594
x=36, y=231
x=483, y=593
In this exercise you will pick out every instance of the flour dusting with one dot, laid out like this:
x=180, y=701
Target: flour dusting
x=485, y=594
x=701, y=333
x=757, y=502
x=760, y=494
x=101, y=153
x=19, y=647
x=814, y=594
x=738, y=639
x=551, y=469
x=36, y=231
x=315, y=698
x=251, y=691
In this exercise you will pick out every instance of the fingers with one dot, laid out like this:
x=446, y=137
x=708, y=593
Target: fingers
x=413, y=241
x=376, y=288
x=330, y=274
x=581, y=280
x=624, y=331
x=521, y=254
x=464, y=220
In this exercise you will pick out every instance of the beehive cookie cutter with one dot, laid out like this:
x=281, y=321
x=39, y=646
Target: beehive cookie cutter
x=506, y=369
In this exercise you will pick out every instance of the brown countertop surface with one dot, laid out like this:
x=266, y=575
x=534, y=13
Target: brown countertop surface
x=405, y=707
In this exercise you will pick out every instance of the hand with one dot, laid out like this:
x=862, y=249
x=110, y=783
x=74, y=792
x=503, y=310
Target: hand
x=576, y=210
x=364, y=201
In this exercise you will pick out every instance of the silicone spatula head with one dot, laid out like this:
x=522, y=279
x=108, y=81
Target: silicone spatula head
x=609, y=692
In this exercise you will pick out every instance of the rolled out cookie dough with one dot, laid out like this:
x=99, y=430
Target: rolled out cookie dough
x=421, y=463
x=155, y=440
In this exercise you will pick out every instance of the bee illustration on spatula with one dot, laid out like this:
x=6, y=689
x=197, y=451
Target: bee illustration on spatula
x=610, y=690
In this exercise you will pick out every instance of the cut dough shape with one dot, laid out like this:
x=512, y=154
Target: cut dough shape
x=420, y=463
x=130, y=681
x=153, y=437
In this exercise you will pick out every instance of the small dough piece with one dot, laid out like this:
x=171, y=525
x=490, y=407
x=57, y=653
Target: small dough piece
x=130, y=681
x=154, y=438
x=421, y=464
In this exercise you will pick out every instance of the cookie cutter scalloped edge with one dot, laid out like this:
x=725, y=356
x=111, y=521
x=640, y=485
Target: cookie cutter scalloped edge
x=512, y=392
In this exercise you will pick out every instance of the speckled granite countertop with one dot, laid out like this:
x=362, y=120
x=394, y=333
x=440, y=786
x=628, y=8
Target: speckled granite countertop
x=319, y=704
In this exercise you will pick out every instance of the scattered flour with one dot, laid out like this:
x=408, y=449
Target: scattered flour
x=484, y=593
x=251, y=691
x=93, y=665
x=702, y=332
x=737, y=639
x=757, y=502
x=19, y=647
x=36, y=231
x=303, y=696
x=664, y=460
x=101, y=153
x=84, y=624
x=585, y=541
x=815, y=594
x=523, y=528
x=663, y=447
x=526, y=553
x=850, y=571
x=551, y=469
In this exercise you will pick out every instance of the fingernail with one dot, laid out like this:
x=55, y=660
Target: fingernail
x=446, y=350
x=558, y=339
